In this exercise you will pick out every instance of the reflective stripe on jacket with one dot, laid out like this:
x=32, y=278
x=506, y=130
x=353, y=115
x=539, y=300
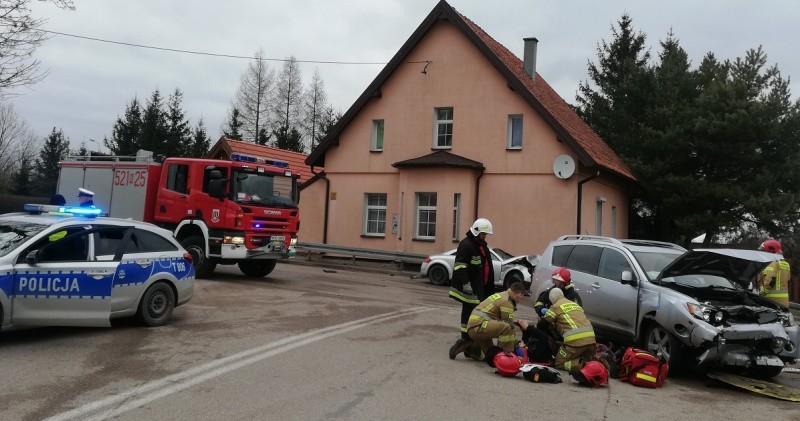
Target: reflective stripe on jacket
x=773, y=282
x=497, y=307
x=570, y=322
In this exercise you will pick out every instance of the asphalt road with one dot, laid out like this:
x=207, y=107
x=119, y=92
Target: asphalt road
x=312, y=343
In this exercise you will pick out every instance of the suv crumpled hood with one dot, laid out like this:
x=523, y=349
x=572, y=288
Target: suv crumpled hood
x=738, y=266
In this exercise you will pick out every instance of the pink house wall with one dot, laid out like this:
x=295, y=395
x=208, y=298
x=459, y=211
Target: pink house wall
x=528, y=205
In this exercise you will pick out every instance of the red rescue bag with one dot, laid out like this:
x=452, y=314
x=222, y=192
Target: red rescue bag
x=641, y=368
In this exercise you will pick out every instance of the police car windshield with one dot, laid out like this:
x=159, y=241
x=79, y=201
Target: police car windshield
x=13, y=233
x=261, y=189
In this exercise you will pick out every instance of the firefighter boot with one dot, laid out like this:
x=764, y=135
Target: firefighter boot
x=460, y=346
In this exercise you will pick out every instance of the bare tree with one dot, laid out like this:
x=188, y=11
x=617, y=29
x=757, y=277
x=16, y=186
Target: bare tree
x=287, y=106
x=314, y=107
x=252, y=98
x=20, y=35
x=17, y=143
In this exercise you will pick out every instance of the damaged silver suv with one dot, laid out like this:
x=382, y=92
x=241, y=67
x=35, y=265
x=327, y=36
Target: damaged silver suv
x=684, y=305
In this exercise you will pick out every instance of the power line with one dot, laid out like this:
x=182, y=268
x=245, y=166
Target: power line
x=202, y=53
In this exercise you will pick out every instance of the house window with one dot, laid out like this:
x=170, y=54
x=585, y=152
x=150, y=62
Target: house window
x=456, y=215
x=598, y=216
x=443, y=128
x=376, y=144
x=514, y=140
x=426, y=216
x=375, y=214
x=613, y=221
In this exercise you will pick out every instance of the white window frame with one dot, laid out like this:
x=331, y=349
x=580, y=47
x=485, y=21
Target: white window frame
x=456, y=216
x=510, y=134
x=598, y=215
x=438, y=123
x=418, y=210
x=371, y=209
x=378, y=128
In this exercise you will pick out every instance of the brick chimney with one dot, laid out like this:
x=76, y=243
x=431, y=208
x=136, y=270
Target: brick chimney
x=529, y=58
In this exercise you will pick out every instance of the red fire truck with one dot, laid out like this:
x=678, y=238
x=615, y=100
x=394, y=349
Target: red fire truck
x=241, y=211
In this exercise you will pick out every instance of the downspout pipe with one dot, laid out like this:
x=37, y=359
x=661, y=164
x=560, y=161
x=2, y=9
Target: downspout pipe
x=580, y=197
x=327, y=203
x=478, y=191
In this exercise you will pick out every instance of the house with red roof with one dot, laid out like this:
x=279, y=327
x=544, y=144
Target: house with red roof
x=454, y=128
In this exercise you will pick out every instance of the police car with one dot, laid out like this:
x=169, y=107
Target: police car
x=62, y=266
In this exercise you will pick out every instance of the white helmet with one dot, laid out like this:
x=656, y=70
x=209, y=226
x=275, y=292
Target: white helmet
x=481, y=225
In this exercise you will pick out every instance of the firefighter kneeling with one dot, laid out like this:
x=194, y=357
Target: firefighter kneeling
x=578, y=335
x=494, y=318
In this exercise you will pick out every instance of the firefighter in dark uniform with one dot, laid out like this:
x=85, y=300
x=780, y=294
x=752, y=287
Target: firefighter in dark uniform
x=473, y=279
x=562, y=279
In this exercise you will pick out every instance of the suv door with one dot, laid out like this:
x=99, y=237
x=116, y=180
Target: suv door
x=63, y=287
x=582, y=263
x=617, y=301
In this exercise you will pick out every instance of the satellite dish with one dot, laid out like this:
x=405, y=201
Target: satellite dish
x=564, y=166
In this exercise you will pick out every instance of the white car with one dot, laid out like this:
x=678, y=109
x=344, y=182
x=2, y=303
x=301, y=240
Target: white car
x=507, y=268
x=64, y=266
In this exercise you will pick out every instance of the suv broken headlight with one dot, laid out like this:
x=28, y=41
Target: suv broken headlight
x=706, y=313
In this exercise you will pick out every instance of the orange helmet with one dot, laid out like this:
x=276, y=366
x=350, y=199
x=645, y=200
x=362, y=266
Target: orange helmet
x=772, y=246
x=562, y=274
x=593, y=374
x=507, y=364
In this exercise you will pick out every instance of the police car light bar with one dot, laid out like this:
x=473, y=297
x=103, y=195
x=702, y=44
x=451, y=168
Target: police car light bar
x=256, y=160
x=63, y=210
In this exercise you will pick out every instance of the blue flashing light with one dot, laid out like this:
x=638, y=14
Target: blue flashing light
x=89, y=212
x=240, y=157
x=256, y=225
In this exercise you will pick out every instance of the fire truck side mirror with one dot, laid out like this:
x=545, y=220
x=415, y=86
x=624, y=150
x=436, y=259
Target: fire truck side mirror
x=216, y=188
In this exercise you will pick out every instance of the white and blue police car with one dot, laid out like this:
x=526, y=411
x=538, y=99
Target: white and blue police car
x=64, y=266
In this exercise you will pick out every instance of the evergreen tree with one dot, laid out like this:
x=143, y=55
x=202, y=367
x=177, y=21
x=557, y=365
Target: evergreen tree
x=328, y=119
x=125, y=134
x=22, y=178
x=200, y=141
x=155, y=128
x=55, y=149
x=234, y=125
x=178, y=141
x=613, y=101
x=289, y=139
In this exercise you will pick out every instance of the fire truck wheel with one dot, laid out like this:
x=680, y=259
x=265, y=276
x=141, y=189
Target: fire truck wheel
x=196, y=246
x=257, y=268
x=157, y=304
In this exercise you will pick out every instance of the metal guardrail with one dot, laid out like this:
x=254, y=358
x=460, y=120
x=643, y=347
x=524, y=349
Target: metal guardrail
x=394, y=256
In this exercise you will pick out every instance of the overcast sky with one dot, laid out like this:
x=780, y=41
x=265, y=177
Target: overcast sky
x=90, y=82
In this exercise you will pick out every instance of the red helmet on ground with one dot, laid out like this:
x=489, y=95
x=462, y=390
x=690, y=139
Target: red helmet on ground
x=507, y=364
x=772, y=246
x=593, y=374
x=562, y=274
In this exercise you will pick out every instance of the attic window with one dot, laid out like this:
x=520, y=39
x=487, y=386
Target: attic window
x=443, y=128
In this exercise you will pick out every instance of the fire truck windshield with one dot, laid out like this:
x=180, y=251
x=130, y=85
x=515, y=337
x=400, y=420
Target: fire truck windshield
x=263, y=189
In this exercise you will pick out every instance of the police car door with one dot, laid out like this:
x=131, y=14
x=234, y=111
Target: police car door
x=56, y=282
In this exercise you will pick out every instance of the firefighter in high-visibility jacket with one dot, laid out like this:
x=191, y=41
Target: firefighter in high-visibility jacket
x=494, y=318
x=575, y=329
x=773, y=281
x=473, y=269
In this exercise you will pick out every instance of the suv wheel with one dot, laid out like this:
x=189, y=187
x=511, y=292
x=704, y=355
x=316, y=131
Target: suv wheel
x=662, y=343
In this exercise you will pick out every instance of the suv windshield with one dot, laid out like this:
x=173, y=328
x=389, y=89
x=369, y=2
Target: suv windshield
x=12, y=234
x=653, y=262
x=253, y=188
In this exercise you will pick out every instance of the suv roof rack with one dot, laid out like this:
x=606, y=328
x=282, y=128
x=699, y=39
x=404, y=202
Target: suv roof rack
x=623, y=242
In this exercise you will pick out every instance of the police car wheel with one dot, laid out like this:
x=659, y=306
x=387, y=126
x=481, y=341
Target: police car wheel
x=157, y=304
x=257, y=268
